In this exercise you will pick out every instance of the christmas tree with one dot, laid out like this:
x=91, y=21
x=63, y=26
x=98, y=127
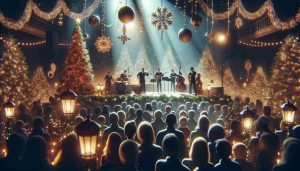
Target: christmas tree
x=78, y=73
x=285, y=80
x=230, y=85
x=14, y=82
x=42, y=89
x=208, y=68
x=257, y=87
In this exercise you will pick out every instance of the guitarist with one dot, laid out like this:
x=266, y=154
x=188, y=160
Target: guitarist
x=192, y=79
x=141, y=76
x=158, y=76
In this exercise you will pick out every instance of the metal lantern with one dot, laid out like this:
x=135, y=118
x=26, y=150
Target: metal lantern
x=288, y=112
x=68, y=99
x=9, y=108
x=87, y=132
x=247, y=118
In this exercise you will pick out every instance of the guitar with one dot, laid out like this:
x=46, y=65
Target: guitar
x=158, y=78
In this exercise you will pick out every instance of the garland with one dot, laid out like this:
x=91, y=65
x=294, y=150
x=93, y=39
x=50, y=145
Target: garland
x=60, y=6
x=267, y=7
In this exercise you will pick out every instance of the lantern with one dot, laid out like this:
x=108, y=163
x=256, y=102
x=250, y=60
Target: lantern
x=9, y=108
x=247, y=118
x=185, y=35
x=87, y=132
x=68, y=99
x=288, y=112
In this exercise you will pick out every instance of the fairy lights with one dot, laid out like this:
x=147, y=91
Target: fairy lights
x=255, y=43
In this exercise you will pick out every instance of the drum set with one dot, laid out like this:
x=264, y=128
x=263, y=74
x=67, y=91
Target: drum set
x=121, y=83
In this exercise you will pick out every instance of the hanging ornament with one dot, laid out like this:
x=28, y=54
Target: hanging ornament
x=85, y=36
x=185, y=35
x=52, y=70
x=126, y=14
x=103, y=44
x=238, y=22
x=248, y=67
x=162, y=18
x=124, y=38
x=196, y=21
x=94, y=20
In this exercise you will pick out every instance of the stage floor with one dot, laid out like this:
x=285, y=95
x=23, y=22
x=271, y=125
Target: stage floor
x=168, y=94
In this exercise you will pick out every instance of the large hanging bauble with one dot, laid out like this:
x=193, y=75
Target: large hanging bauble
x=185, y=35
x=126, y=14
x=196, y=21
x=85, y=36
x=94, y=20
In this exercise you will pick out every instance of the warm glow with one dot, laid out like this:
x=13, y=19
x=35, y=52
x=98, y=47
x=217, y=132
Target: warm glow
x=220, y=38
x=88, y=146
x=130, y=25
x=247, y=123
x=9, y=111
x=288, y=116
x=68, y=106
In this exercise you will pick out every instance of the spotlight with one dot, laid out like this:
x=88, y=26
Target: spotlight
x=221, y=38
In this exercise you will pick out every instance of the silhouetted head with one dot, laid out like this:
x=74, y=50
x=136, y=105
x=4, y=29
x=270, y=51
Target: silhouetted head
x=117, y=108
x=183, y=121
x=217, y=107
x=203, y=123
x=121, y=115
x=139, y=113
x=158, y=114
x=192, y=68
x=38, y=123
x=240, y=151
x=267, y=110
x=70, y=147
x=296, y=131
x=154, y=103
x=22, y=108
x=236, y=126
x=263, y=124
x=199, y=152
x=182, y=113
x=215, y=132
x=101, y=120
x=191, y=114
x=171, y=120
x=113, y=118
x=148, y=107
x=268, y=141
x=15, y=145
x=83, y=112
x=128, y=152
x=19, y=125
x=78, y=119
x=112, y=146
x=35, y=150
x=291, y=152
x=143, y=69
x=168, y=109
x=145, y=133
x=98, y=111
x=170, y=145
x=130, y=129
x=223, y=148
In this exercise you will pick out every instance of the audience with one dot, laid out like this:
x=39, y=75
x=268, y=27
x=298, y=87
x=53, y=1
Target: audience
x=128, y=153
x=240, y=156
x=158, y=124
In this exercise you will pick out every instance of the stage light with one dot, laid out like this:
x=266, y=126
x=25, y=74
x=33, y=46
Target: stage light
x=220, y=38
x=130, y=25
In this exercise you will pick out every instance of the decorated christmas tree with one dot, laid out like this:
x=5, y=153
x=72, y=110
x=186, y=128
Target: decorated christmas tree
x=14, y=81
x=257, y=87
x=285, y=80
x=78, y=72
x=208, y=68
x=230, y=85
x=42, y=89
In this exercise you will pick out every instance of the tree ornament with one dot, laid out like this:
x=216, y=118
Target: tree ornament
x=162, y=18
x=126, y=14
x=85, y=36
x=103, y=44
x=124, y=38
x=185, y=35
x=238, y=22
x=94, y=20
x=196, y=21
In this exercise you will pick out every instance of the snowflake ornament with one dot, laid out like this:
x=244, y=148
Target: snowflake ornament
x=103, y=44
x=162, y=18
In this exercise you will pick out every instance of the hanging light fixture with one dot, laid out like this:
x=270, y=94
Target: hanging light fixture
x=247, y=118
x=9, y=108
x=68, y=99
x=288, y=112
x=87, y=132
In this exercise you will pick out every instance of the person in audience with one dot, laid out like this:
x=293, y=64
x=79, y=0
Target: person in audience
x=201, y=129
x=35, y=155
x=97, y=112
x=253, y=149
x=139, y=117
x=217, y=111
x=110, y=160
x=101, y=120
x=122, y=117
x=296, y=132
x=168, y=111
x=39, y=129
x=171, y=121
x=148, y=113
x=290, y=156
x=191, y=120
x=235, y=134
x=23, y=114
x=267, y=112
x=240, y=156
x=149, y=153
x=282, y=133
x=128, y=153
x=223, y=149
x=20, y=129
x=70, y=155
x=210, y=111
x=184, y=129
x=105, y=113
x=114, y=127
x=215, y=132
x=158, y=124
x=199, y=156
x=117, y=108
x=224, y=112
x=130, y=129
x=170, y=145
x=131, y=114
x=15, y=145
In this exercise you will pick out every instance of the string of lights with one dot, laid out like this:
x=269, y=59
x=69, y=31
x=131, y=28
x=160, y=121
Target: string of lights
x=255, y=43
x=32, y=43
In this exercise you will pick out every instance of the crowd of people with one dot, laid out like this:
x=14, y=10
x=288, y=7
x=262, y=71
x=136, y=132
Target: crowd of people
x=160, y=136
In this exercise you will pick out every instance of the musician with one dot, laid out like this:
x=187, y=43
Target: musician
x=108, y=79
x=158, y=76
x=199, y=84
x=141, y=76
x=123, y=76
x=173, y=76
x=192, y=79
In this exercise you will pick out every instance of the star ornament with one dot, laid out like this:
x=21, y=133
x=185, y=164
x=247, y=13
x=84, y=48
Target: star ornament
x=103, y=44
x=124, y=38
